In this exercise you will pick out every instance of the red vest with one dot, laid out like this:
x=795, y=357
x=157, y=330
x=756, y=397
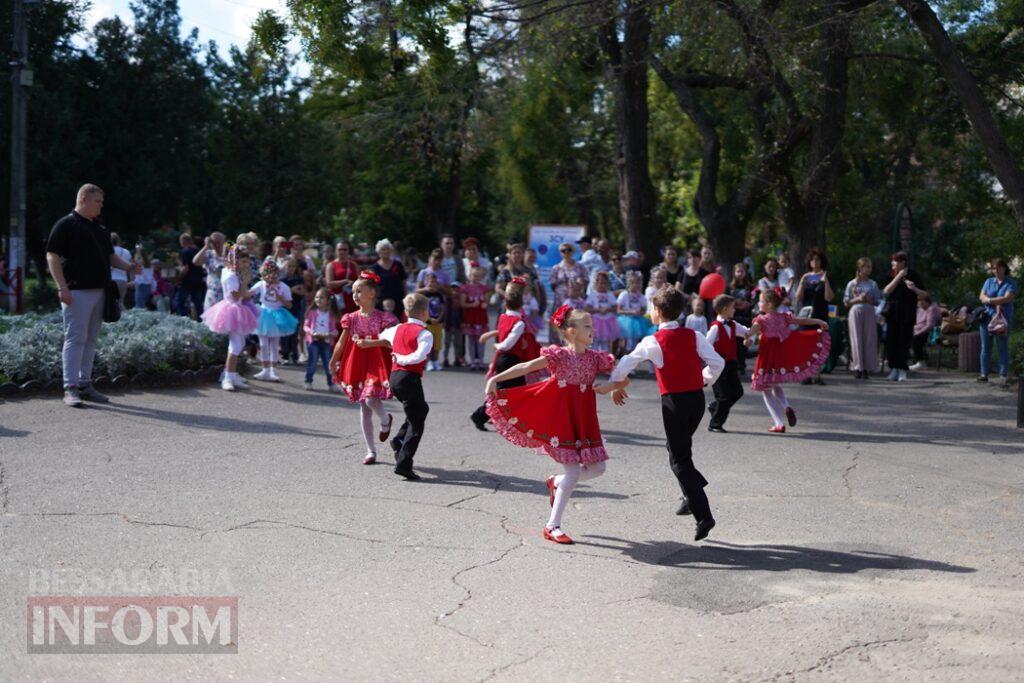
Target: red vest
x=681, y=370
x=725, y=345
x=405, y=343
x=527, y=348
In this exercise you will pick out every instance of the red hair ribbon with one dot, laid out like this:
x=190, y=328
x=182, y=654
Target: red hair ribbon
x=518, y=280
x=371, y=276
x=779, y=293
x=559, y=317
x=474, y=264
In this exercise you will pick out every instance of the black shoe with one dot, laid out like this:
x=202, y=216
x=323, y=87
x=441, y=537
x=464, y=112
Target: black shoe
x=684, y=508
x=807, y=380
x=408, y=474
x=704, y=528
x=89, y=393
x=479, y=421
x=396, y=445
x=720, y=430
x=819, y=381
x=983, y=378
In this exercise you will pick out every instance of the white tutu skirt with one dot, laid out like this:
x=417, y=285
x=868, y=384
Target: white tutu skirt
x=278, y=322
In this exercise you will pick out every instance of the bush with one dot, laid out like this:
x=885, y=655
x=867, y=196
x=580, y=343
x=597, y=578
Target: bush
x=1017, y=354
x=142, y=341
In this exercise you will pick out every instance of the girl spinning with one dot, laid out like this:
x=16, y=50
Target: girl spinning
x=275, y=321
x=558, y=416
x=234, y=315
x=783, y=355
x=363, y=373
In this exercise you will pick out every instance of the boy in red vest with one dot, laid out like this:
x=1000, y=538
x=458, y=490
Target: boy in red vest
x=722, y=336
x=516, y=344
x=684, y=363
x=411, y=343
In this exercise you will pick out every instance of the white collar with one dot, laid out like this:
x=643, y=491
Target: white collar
x=669, y=325
x=517, y=314
x=417, y=321
x=722, y=320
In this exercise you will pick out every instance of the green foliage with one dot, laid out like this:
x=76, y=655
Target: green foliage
x=142, y=341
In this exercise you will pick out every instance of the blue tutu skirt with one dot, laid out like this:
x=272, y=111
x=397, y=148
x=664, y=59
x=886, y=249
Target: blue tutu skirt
x=278, y=322
x=633, y=327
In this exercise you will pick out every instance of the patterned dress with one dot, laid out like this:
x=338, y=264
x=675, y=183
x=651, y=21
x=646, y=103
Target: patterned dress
x=365, y=373
x=784, y=355
x=558, y=416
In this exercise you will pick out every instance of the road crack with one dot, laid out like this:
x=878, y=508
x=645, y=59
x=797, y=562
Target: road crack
x=831, y=657
x=4, y=489
x=849, y=470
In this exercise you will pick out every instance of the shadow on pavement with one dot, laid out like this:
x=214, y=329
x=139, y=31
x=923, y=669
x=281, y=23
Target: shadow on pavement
x=214, y=422
x=769, y=558
x=5, y=432
x=477, y=478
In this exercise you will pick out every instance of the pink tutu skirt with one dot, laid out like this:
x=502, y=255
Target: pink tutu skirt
x=606, y=326
x=227, y=317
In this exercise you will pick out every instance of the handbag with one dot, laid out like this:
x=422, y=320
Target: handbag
x=998, y=326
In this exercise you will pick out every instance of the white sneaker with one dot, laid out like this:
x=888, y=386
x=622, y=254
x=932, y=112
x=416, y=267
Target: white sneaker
x=273, y=376
x=264, y=375
x=902, y=376
x=239, y=382
x=430, y=366
x=918, y=366
x=334, y=389
x=308, y=386
x=893, y=375
x=226, y=385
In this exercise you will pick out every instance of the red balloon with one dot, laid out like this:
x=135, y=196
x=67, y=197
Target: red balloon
x=711, y=286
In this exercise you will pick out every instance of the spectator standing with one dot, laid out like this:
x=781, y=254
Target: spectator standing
x=80, y=255
x=392, y=277
x=670, y=265
x=119, y=275
x=862, y=296
x=144, y=281
x=211, y=258
x=617, y=274
x=744, y=291
x=900, y=315
x=470, y=255
x=589, y=258
x=787, y=276
x=453, y=267
x=516, y=267
x=689, y=278
x=815, y=292
x=564, y=273
x=339, y=276
x=191, y=288
x=298, y=251
x=292, y=278
x=929, y=316
x=998, y=293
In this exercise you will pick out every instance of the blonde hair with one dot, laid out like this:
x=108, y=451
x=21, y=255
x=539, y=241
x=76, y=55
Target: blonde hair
x=89, y=190
x=414, y=303
x=863, y=261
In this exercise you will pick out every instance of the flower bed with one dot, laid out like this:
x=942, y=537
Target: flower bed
x=142, y=343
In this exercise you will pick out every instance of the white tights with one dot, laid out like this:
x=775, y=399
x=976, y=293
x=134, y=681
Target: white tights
x=269, y=349
x=236, y=343
x=565, y=483
x=775, y=401
x=367, y=409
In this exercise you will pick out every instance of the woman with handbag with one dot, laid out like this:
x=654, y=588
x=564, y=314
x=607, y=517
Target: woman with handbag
x=900, y=316
x=997, y=294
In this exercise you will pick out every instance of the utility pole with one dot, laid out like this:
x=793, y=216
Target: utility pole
x=21, y=80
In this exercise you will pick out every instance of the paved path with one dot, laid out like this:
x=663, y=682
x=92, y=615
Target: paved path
x=882, y=539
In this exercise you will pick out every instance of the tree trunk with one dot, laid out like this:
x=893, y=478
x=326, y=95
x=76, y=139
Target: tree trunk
x=628, y=70
x=978, y=112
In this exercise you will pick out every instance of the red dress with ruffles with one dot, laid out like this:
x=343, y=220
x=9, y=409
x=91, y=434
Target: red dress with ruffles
x=558, y=416
x=787, y=356
x=365, y=373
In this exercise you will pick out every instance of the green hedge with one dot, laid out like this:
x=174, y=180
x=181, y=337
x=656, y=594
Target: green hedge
x=141, y=342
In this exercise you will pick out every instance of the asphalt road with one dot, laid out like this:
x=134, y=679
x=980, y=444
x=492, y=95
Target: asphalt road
x=879, y=540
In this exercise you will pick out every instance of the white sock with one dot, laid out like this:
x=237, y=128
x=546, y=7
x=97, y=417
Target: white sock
x=565, y=484
x=771, y=403
x=780, y=396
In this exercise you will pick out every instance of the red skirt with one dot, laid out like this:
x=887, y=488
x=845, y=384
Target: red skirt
x=364, y=373
x=800, y=356
x=559, y=421
x=474, y=321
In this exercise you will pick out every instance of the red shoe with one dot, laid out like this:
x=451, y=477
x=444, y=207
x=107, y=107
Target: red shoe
x=551, y=490
x=563, y=539
x=791, y=416
x=385, y=433
x=781, y=429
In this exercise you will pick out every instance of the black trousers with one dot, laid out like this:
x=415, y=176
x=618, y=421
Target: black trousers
x=919, y=344
x=408, y=389
x=504, y=362
x=728, y=390
x=682, y=414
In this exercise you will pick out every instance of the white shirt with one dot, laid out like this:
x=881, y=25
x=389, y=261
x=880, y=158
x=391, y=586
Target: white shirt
x=741, y=330
x=117, y=274
x=145, y=277
x=230, y=284
x=650, y=350
x=424, y=343
x=513, y=336
x=322, y=323
x=697, y=323
x=272, y=297
x=638, y=305
x=598, y=300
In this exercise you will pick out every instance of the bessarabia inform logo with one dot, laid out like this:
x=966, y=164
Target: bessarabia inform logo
x=81, y=624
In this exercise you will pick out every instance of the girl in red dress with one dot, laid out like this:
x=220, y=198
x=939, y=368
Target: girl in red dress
x=473, y=301
x=363, y=374
x=558, y=416
x=784, y=356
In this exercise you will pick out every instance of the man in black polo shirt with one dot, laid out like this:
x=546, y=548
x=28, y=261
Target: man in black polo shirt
x=80, y=255
x=191, y=286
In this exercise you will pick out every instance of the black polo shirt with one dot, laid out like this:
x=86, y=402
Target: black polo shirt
x=85, y=248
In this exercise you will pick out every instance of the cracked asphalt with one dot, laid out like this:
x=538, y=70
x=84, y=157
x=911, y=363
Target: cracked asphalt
x=879, y=540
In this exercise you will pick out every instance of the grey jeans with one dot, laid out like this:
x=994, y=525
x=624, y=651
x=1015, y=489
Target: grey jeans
x=82, y=320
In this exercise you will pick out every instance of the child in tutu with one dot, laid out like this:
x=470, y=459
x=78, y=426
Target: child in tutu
x=558, y=416
x=632, y=306
x=275, y=321
x=473, y=301
x=320, y=328
x=234, y=315
x=601, y=305
x=784, y=356
x=364, y=373
x=516, y=343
